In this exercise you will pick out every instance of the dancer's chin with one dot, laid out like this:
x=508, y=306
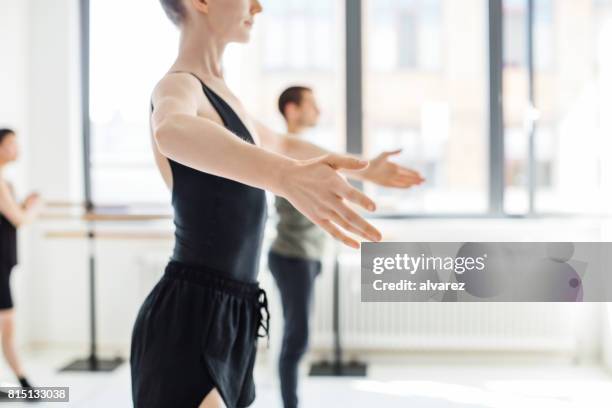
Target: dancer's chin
x=245, y=37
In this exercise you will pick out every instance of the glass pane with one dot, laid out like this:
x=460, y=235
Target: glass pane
x=296, y=42
x=425, y=90
x=516, y=102
x=574, y=95
x=123, y=169
x=517, y=111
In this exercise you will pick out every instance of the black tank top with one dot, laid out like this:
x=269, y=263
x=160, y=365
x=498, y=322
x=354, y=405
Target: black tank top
x=8, y=243
x=219, y=222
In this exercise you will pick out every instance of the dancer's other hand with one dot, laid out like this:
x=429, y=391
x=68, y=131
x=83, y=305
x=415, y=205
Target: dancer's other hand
x=32, y=200
x=318, y=191
x=385, y=173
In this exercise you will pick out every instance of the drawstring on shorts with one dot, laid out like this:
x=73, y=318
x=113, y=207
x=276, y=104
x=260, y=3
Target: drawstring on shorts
x=263, y=322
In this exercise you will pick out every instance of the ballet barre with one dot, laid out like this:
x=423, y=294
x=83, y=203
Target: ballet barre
x=59, y=210
x=109, y=235
x=115, y=214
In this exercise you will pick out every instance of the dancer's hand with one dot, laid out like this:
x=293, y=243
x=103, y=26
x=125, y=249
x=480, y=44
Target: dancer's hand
x=316, y=189
x=32, y=200
x=388, y=174
x=33, y=204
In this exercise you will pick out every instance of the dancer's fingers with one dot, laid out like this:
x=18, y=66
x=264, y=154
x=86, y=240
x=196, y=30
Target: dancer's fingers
x=348, y=226
x=351, y=194
x=337, y=161
x=336, y=233
x=386, y=155
x=358, y=224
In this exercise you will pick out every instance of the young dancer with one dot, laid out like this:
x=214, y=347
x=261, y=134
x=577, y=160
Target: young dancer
x=295, y=256
x=12, y=216
x=194, y=339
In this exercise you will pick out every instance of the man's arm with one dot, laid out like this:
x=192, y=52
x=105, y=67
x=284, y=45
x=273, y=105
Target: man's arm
x=380, y=171
x=290, y=146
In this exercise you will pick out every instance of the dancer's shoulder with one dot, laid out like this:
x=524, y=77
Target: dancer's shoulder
x=182, y=89
x=177, y=84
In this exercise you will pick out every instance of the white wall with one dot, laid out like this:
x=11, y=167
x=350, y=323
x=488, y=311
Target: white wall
x=13, y=44
x=54, y=163
x=14, y=102
x=54, y=104
x=39, y=97
x=14, y=75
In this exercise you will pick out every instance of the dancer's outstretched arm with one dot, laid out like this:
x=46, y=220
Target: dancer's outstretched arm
x=380, y=171
x=313, y=186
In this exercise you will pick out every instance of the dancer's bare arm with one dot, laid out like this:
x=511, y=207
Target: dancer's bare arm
x=312, y=186
x=380, y=171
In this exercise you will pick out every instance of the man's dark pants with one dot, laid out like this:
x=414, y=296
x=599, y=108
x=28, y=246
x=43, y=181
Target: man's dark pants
x=295, y=279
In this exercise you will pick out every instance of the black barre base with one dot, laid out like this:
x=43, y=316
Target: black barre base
x=94, y=365
x=330, y=369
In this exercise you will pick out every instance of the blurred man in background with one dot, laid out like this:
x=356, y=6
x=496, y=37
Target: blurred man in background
x=296, y=253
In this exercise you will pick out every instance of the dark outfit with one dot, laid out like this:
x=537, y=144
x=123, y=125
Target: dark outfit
x=295, y=279
x=198, y=328
x=294, y=261
x=8, y=259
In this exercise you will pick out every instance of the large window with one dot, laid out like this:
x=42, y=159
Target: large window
x=567, y=158
x=516, y=34
x=424, y=87
x=519, y=110
x=296, y=35
x=404, y=35
x=296, y=42
x=126, y=62
x=516, y=106
x=575, y=104
x=425, y=91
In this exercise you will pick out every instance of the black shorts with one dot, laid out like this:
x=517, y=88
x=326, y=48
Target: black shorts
x=6, y=298
x=196, y=331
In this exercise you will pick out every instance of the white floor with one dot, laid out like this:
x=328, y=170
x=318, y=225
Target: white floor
x=420, y=386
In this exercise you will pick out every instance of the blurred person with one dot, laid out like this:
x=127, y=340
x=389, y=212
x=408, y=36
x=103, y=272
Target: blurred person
x=296, y=253
x=13, y=215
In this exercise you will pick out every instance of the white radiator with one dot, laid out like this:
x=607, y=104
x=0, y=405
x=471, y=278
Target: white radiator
x=436, y=326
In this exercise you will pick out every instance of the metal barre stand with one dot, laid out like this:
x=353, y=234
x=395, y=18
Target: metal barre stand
x=336, y=367
x=92, y=363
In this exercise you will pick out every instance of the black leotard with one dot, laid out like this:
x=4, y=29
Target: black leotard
x=8, y=259
x=219, y=222
x=8, y=243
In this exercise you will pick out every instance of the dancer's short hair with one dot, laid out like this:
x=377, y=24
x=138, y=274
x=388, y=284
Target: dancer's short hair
x=175, y=10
